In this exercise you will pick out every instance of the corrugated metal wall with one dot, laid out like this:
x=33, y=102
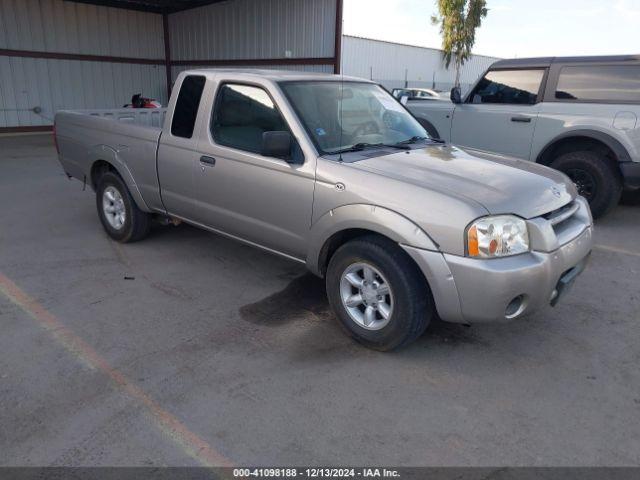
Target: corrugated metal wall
x=249, y=29
x=69, y=27
x=33, y=88
x=52, y=85
x=388, y=63
x=57, y=26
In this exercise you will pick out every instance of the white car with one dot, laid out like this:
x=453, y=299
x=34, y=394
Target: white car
x=417, y=94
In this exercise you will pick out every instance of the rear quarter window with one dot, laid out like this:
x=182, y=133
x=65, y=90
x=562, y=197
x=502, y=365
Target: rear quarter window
x=599, y=83
x=186, y=110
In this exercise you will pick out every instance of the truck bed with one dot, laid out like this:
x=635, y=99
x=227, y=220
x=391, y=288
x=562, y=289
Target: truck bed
x=127, y=138
x=148, y=117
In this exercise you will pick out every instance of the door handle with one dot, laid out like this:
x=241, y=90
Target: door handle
x=207, y=160
x=521, y=119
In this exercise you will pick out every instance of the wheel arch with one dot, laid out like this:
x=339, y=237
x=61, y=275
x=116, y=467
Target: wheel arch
x=98, y=168
x=345, y=223
x=106, y=159
x=584, y=139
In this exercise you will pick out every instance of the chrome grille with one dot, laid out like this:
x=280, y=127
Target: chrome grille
x=562, y=214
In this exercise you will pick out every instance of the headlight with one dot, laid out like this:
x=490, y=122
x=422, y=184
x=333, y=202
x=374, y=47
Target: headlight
x=498, y=236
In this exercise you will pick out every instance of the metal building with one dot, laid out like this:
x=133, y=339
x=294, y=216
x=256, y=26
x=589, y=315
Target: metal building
x=71, y=54
x=397, y=65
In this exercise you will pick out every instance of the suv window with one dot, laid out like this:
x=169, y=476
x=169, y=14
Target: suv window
x=242, y=114
x=614, y=83
x=508, y=86
x=186, y=110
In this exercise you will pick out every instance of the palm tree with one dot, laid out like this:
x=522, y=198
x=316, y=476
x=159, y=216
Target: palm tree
x=458, y=20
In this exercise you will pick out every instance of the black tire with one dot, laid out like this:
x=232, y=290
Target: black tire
x=413, y=305
x=596, y=178
x=137, y=223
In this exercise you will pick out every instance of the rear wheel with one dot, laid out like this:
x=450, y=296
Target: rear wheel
x=120, y=216
x=378, y=293
x=595, y=178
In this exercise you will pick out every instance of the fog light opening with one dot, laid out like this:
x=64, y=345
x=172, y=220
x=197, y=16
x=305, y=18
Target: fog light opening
x=515, y=307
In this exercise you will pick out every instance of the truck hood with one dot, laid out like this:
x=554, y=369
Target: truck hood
x=500, y=184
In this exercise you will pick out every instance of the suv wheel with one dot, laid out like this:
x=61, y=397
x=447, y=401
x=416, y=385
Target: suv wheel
x=120, y=216
x=595, y=178
x=378, y=293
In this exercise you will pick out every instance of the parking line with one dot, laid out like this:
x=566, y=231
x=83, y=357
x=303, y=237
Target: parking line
x=607, y=248
x=191, y=443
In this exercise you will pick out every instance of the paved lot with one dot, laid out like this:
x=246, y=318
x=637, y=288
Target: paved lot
x=219, y=353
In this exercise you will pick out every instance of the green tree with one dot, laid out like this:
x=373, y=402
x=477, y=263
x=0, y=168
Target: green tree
x=458, y=20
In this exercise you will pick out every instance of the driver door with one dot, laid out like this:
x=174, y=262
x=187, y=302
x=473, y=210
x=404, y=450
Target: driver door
x=501, y=112
x=262, y=200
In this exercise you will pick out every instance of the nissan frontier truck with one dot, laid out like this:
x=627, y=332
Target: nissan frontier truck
x=333, y=172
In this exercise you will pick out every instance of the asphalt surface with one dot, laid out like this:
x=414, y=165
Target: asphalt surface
x=212, y=352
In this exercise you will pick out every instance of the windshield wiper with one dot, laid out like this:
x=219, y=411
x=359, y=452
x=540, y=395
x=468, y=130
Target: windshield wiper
x=358, y=147
x=403, y=145
x=419, y=138
x=415, y=139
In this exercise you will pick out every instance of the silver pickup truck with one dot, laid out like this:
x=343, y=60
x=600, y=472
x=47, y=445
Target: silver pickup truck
x=336, y=174
x=577, y=114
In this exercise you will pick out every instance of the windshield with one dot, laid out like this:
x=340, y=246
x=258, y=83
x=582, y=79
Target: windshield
x=346, y=116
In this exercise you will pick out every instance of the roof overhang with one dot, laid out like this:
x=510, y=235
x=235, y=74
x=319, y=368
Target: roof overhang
x=154, y=6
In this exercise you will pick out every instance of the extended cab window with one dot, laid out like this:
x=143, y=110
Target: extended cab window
x=613, y=83
x=242, y=114
x=519, y=87
x=186, y=110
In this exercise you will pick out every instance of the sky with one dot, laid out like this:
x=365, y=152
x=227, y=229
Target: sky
x=513, y=28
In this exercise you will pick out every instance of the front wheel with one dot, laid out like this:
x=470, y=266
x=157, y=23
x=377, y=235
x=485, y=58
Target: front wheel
x=595, y=178
x=120, y=216
x=378, y=293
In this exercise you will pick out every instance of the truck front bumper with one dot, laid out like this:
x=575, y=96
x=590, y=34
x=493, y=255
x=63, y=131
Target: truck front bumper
x=469, y=290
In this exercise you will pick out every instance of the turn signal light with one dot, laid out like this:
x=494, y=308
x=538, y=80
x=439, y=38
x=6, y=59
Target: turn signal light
x=474, y=250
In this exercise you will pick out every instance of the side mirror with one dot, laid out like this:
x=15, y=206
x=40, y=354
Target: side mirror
x=456, y=95
x=404, y=99
x=277, y=144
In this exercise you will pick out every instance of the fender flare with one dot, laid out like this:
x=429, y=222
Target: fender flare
x=110, y=155
x=605, y=138
x=366, y=217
